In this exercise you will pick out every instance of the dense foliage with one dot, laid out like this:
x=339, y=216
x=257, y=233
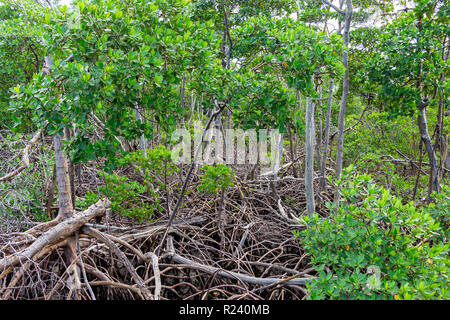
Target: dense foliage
x=402, y=246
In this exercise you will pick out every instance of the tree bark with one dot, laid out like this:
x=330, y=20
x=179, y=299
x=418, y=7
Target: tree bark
x=418, y=171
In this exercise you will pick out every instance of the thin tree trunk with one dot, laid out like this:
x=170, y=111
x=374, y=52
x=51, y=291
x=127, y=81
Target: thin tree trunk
x=309, y=155
x=318, y=137
x=222, y=218
x=292, y=151
x=419, y=170
x=326, y=137
x=345, y=89
x=183, y=102
x=193, y=102
x=434, y=168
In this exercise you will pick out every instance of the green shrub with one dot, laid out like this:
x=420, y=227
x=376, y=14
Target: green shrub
x=373, y=231
x=440, y=209
x=154, y=166
x=137, y=199
x=216, y=178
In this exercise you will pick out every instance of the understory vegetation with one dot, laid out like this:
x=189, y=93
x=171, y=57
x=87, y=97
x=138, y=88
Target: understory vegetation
x=209, y=149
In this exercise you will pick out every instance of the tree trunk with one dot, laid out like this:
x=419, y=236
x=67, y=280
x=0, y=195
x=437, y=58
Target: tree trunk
x=292, y=152
x=425, y=136
x=418, y=171
x=309, y=155
x=62, y=176
x=142, y=143
x=183, y=100
x=317, y=135
x=345, y=88
x=65, y=201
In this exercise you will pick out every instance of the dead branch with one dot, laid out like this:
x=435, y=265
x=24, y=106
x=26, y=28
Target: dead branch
x=157, y=274
x=234, y=275
x=230, y=274
x=103, y=238
x=25, y=158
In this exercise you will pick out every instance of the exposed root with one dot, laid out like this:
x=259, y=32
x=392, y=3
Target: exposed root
x=252, y=254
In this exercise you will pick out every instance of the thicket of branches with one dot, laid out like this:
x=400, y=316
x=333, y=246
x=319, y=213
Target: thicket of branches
x=93, y=205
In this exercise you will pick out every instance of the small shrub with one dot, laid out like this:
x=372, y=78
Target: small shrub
x=155, y=166
x=216, y=178
x=440, y=209
x=137, y=199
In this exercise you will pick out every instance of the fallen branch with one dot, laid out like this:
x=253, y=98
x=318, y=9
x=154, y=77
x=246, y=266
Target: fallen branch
x=406, y=160
x=230, y=274
x=234, y=275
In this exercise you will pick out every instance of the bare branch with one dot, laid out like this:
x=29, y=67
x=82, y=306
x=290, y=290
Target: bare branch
x=25, y=158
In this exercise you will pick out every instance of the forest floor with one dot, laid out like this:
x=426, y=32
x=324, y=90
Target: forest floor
x=241, y=247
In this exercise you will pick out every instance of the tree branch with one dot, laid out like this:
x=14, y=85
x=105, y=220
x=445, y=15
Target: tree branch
x=334, y=7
